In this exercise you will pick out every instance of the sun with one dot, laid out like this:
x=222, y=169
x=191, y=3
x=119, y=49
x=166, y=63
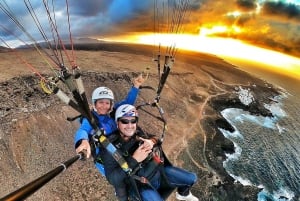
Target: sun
x=222, y=47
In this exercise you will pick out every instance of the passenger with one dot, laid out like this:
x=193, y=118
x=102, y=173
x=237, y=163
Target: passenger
x=144, y=156
x=103, y=106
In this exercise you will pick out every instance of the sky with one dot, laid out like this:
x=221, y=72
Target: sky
x=257, y=28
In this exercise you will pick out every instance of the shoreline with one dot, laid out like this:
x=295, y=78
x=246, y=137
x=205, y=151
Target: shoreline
x=219, y=145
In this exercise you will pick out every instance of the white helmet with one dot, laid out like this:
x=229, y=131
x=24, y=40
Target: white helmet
x=102, y=93
x=126, y=110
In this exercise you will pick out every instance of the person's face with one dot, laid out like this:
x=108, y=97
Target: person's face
x=103, y=106
x=127, y=126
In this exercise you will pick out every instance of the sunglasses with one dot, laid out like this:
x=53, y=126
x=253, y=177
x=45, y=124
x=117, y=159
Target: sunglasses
x=127, y=121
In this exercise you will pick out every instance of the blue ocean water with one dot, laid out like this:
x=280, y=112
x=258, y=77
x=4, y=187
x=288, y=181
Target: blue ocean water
x=267, y=149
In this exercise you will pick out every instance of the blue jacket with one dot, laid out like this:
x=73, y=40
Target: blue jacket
x=105, y=121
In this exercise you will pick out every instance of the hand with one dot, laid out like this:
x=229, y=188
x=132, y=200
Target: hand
x=84, y=146
x=148, y=143
x=141, y=153
x=138, y=81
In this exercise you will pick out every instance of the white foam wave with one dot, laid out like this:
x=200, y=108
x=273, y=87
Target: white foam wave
x=235, y=155
x=283, y=194
x=234, y=115
x=230, y=135
x=276, y=109
x=280, y=128
x=245, y=96
x=244, y=182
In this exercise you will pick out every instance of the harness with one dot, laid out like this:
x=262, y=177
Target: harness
x=146, y=170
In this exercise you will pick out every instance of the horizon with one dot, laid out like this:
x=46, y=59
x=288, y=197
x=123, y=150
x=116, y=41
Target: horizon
x=232, y=50
x=261, y=32
x=253, y=66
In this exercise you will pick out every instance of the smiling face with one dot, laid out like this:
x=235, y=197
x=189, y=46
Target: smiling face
x=103, y=106
x=127, y=126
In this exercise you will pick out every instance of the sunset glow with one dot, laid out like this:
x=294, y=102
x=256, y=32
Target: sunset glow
x=211, y=30
x=210, y=26
x=223, y=47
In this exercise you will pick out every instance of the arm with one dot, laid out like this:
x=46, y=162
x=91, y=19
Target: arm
x=133, y=92
x=82, y=138
x=130, y=99
x=115, y=175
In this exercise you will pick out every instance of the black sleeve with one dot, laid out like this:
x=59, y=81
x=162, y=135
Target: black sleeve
x=113, y=171
x=78, y=143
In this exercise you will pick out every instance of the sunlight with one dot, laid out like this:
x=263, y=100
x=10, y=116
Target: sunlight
x=213, y=30
x=217, y=29
x=223, y=47
x=234, y=14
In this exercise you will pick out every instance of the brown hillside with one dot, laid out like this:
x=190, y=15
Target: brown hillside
x=35, y=136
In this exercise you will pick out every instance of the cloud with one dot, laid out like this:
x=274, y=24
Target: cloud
x=272, y=24
x=106, y=17
x=269, y=24
x=88, y=8
x=281, y=10
x=246, y=5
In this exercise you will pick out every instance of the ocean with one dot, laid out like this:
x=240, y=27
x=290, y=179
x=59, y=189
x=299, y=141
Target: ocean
x=268, y=149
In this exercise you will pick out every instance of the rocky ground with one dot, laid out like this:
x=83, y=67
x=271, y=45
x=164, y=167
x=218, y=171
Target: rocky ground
x=35, y=136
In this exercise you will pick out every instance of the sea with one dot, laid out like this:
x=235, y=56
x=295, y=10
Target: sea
x=267, y=150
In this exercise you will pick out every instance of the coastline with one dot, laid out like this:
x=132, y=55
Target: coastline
x=216, y=183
